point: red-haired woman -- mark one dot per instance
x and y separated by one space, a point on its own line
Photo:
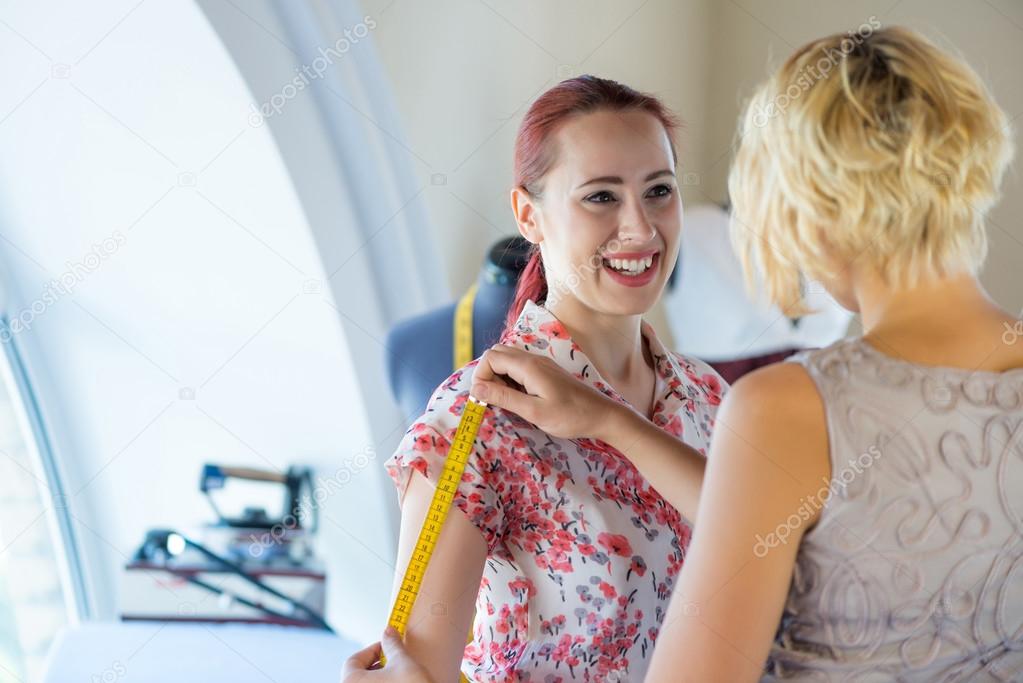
562 546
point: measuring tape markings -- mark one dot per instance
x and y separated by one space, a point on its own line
451 476
440 505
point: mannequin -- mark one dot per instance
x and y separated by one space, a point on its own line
422 348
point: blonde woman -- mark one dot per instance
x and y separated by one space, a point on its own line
860 517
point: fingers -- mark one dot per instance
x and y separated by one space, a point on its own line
361 661
393 645
506 397
515 364
483 370
509 378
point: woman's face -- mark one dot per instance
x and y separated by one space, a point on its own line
611 194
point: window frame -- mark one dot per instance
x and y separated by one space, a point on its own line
14 374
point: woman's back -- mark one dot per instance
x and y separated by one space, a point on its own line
914 570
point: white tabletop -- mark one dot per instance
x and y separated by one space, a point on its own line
151 652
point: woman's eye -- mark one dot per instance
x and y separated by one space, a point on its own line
659 191
601 197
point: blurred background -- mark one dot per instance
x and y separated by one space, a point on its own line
213 212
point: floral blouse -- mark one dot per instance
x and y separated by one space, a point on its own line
583 552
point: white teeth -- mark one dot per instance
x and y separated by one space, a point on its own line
633 266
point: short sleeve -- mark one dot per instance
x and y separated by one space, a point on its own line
424 447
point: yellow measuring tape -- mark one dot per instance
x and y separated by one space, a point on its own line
451 475
463 327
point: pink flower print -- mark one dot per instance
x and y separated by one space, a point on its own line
713 384
520 614
684 535
423 438
503 626
616 544
674 426
562 650
638 566
521 587
458 405
559 560
554 329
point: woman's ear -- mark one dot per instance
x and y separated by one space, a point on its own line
524 207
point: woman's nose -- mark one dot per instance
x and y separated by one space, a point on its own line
635 225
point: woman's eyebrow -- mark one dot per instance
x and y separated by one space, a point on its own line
616 180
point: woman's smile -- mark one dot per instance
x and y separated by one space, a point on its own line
633 269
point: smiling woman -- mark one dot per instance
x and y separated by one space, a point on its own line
564 548
534 157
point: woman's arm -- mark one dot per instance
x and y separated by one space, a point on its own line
442 614
672 467
768 462
563 406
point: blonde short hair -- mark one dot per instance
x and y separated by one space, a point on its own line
869 145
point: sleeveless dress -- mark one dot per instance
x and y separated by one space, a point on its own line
914 571
582 551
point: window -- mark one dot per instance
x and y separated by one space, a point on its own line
32 597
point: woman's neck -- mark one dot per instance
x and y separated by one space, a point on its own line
614 343
927 305
944 321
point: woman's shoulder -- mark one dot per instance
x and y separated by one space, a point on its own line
447 403
781 397
780 408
